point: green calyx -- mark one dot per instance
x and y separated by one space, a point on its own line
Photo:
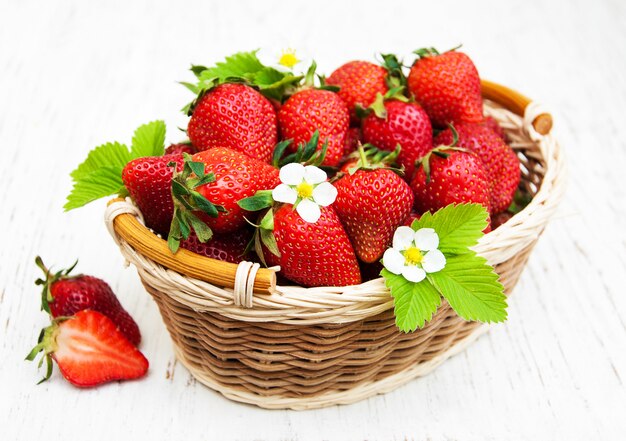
372 158
47 344
395 74
378 106
242 67
50 279
306 153
187 200
426 52
442 151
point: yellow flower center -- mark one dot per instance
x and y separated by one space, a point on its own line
413 256
288 58
305 190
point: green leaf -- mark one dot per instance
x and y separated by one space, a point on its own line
239 65
472 288
149 140
261 199
202 230
414 303
197 168
458 226
100 183
268 239
112 154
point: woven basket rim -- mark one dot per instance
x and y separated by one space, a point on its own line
296 304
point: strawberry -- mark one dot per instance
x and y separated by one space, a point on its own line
236 177
228 247
493 152
405 124
181 147
65 295
313 254
447 86
510 175
495 126
315 109
450 176
359 83
353 138
89 350
371 203
408 221
208 188
236 116
500 218
148 181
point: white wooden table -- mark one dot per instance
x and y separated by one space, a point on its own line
73 75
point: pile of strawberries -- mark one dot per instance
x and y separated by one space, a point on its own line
394 142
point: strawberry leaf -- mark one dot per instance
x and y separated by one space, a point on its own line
260 200
100 175
414 303
458 226
100 183
111 154
472 288
149 140
239 65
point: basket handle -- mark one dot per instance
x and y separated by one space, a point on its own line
216 272
516 103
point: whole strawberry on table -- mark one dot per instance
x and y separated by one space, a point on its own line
229 191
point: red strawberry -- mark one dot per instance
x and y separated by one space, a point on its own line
500 218
148 181
181 147
313 254
456 178
493 152
407 125
447 86
237 176
236 116
371 204
359 82
315 109
227 247
495 126
353 138
89 350
408 221
64 295
510 175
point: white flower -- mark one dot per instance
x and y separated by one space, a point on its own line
414 253
284 60
305 187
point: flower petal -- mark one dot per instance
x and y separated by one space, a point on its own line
284 193
325 194
403 238
314 175
393 260
308 210
433 261
292 174
413 273
426 239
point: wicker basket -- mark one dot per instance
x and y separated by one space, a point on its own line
299 348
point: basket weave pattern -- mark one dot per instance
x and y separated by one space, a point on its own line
302 348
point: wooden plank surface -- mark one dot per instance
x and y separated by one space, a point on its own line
76 74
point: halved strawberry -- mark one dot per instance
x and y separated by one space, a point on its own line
64 295
89 350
